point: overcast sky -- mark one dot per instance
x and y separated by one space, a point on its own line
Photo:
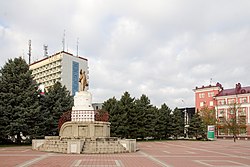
161 48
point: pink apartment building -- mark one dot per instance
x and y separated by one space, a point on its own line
215 97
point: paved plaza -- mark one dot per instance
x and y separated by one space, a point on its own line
220 153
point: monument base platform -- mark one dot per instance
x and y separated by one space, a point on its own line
85 130
84 137
85 145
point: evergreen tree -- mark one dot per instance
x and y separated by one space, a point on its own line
163 122
196 127
128 115
18 100
54 103
178 124
159 124
112 106
146 117
142 107
150 116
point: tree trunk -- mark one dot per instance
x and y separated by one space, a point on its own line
18 140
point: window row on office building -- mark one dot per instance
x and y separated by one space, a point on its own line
61 67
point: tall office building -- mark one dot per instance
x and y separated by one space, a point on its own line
63 67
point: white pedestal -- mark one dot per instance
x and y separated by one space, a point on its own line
82 109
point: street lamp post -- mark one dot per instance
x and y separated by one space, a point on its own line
186 120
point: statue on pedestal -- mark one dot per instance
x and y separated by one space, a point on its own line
83 80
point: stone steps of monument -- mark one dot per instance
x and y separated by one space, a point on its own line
103 147
54 146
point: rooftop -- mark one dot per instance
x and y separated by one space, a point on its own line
209 86
57 54
234 91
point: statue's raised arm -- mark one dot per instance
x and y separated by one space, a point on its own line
83 80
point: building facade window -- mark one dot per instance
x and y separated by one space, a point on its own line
221 102
201 104
221 131
231 111
221 113
210 94
242 111
243 100
211 103
242 131
201 95
231 101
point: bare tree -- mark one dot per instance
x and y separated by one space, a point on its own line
235 123
208 117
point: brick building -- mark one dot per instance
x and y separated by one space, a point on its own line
220 99
204 96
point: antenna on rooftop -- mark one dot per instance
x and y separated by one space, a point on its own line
29 51
211 80
63 40
45 47
77 43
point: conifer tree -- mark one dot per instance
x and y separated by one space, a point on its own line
54 103
163 122
18 100
145 117
111 105
196 127
129 123
178 124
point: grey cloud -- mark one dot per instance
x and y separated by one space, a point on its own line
161 48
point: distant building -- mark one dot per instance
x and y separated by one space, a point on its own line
215 97
238 95
61 67
188 113
204 96
97 106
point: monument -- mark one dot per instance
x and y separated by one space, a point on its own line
83 134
